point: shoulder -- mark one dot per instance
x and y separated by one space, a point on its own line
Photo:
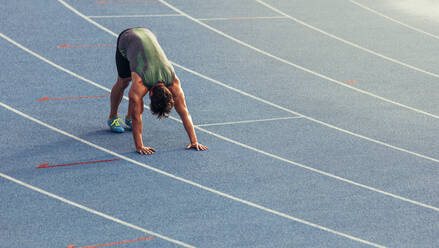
175 87
138 82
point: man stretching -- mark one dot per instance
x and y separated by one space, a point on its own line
140 59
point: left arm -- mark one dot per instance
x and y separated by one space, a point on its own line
183 112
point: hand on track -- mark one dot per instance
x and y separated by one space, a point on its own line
145 150
197 146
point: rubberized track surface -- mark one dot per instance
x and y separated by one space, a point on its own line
321 119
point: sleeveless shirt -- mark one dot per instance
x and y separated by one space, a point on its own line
146 57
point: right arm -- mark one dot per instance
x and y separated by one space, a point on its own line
137 91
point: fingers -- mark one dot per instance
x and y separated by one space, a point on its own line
146 150
203 148
197 146
150 150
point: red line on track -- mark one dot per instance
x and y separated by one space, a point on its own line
68 98
46 165
91 45
351 82
115 243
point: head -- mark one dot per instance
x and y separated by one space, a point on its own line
161 101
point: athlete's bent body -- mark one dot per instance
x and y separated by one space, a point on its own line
140 59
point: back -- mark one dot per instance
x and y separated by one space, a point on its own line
146 57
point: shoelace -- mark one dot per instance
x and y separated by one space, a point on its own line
116 123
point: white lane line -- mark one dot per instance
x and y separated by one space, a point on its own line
394 20
348 42
202 19
134 16
86 18
236 142
242 18
90 210
247 121
298 66
245 202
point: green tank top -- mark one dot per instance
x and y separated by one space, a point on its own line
141 48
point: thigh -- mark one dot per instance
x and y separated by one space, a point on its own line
122 65
123 83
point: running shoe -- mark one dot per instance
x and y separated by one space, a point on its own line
115 125
128 122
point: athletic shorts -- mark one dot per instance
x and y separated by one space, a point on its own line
122 63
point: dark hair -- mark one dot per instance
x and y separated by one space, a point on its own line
161 101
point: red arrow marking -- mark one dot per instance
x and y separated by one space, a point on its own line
351 82
46 165
94 45
68 98
115 243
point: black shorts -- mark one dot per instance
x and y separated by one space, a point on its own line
122 64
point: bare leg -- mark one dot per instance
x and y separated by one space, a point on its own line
117 95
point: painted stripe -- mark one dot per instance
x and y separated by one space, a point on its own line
70 98
242 18
348 42
114 243
90 210
203 19
351 82
53 64
46 165
86 18
394 20
252 148
134 16
248 121
197 185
